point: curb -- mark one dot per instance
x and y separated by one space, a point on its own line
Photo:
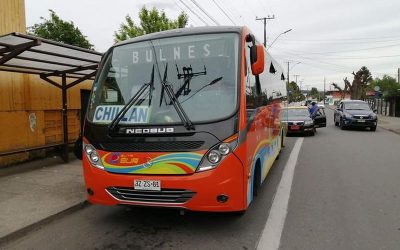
390 130
41 223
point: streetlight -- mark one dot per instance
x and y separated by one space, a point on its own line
278 37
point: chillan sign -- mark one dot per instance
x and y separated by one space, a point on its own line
135 115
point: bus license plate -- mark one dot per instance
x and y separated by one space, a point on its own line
151 185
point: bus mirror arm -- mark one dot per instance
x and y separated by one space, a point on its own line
258 85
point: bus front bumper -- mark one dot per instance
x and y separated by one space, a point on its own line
220 190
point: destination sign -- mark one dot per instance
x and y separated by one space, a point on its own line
135 115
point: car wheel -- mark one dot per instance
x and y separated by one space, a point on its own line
341 125
373 128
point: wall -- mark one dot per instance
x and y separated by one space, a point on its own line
30 108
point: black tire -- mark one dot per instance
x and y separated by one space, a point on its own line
279 153
373 128
78 148
341 125
312 133
256 181
239 213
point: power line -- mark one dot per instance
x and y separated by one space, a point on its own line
343 51
205 12
354 58
184 11
219 7
339 41
190 9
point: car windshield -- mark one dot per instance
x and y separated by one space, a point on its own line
200 70
295 112
357 106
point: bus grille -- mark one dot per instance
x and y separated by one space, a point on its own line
151 146
165 195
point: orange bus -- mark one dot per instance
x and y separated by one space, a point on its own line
186 118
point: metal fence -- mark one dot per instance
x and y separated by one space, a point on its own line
390 107
380 105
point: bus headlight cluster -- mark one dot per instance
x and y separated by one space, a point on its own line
92 155
216 155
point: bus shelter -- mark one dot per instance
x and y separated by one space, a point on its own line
21 53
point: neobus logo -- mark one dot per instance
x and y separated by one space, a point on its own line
149 130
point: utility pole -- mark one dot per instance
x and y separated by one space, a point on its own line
324 89
265 26
287 85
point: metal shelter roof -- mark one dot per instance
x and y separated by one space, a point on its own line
33 55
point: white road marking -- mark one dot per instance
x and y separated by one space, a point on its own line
271 235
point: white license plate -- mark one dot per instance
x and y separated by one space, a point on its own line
361 120
153 185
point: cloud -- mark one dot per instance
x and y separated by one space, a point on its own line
158 4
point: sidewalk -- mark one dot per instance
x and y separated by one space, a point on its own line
36 194
389 123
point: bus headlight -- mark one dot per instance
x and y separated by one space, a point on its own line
224 149
92 155
217 154
214 157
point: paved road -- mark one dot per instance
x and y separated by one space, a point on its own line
345 195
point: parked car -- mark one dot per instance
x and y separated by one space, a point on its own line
299 121
355 113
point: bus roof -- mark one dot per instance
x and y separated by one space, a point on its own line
182 32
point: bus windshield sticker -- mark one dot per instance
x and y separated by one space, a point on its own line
135 115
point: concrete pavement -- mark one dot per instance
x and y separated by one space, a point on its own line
33 195
389 123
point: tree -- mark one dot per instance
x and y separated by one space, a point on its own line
150 21
341 91
295 94
59 30
314 93
360 83
387 85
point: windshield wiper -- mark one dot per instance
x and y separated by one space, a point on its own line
170 93
208 84
120 115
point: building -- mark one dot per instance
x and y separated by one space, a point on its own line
30 108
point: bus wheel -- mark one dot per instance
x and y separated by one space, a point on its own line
256 180
279 153
239 213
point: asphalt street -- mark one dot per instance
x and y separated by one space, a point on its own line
345 194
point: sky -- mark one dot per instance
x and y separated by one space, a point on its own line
329 39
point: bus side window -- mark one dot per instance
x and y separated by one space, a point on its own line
251 96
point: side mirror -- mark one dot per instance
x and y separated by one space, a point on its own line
375 110
257 59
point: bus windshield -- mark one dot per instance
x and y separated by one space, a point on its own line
198 71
